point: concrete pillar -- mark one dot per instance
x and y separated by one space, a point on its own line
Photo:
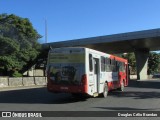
142 63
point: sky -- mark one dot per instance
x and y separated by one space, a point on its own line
75 19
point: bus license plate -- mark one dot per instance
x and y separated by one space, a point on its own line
64 88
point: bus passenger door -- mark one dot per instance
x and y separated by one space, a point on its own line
96 74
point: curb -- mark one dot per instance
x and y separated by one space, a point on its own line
21 88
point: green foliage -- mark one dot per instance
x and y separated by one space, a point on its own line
132 62
153 63
8 46
18 40
16 74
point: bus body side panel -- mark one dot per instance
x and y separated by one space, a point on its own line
127 73
93 71
112 80
89 73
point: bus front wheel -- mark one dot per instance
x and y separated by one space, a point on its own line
105 91
122 86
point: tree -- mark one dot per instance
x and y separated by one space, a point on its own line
132 62
18 40
153 62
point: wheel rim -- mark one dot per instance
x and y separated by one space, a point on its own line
122 86
105 93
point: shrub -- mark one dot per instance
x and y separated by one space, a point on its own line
17 74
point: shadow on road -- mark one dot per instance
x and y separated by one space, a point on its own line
145 84
42 96
136 94
36 96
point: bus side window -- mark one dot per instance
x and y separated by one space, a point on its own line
90 63
117 66
107 64
121 67
102 64
113 65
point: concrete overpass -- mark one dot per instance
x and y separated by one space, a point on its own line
139 42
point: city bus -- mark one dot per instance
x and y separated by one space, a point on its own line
80 70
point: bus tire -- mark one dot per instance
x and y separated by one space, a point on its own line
122 86
105 91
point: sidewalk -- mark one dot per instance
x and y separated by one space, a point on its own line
145 83
21 87
149 80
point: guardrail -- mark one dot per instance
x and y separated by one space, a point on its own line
22 81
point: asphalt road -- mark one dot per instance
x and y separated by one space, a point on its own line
144 95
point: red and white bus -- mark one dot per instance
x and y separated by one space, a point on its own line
80 70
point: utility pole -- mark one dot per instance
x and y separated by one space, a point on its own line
46 31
